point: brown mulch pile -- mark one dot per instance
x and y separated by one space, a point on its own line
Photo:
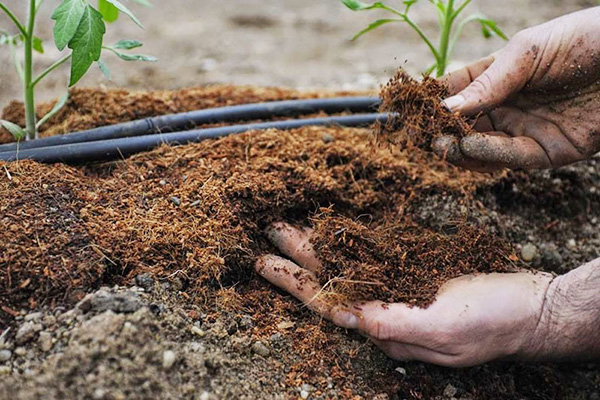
419 115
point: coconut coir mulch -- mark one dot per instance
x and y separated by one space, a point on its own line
196 214
418 115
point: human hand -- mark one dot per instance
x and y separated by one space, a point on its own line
538 97
474 319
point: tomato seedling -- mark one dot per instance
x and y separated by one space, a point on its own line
78 26
448 15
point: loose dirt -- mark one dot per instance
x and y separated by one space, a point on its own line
190 220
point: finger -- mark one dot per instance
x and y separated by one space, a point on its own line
447 147
294 243
458 80
506 75
410 352
549 135
514 152
297 281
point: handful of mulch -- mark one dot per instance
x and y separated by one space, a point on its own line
399 261
418 115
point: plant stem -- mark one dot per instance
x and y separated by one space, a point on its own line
18 65
30 116
13 18
445 39
50 69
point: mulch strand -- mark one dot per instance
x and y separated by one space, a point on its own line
197 213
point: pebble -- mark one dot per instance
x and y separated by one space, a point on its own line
169 358
528 252
20 351
176 200
5 355
162 182
571 244
401 371
45 341
260 349
34 316
49 320
102 300
5 370
144 281
327 138
304 394
27 332
198 331
450 391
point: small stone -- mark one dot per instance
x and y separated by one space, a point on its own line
20 351
401 371
450 391
260 349
49 320
169 358
327 138
528 252
34 316
304 394
195 203
4 371
25 333
198 332
162 182
45 341
571 244
5 355
176 200
144 281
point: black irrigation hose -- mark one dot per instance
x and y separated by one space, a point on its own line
112 149
188 120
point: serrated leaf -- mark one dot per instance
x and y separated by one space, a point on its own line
18 132
104 68
375 25
86 43
134 57
38 45
109 12
68 16
127 44
126 11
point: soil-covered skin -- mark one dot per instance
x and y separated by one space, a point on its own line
190 220
417 113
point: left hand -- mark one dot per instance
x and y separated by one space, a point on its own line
475 318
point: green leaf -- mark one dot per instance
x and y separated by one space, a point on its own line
490 28
143 2
126 11
109 12
127 44
14 129
67 15
134 57
38 45
357 5
87 43
375 25
104 68
57 107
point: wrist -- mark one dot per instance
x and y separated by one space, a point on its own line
567 328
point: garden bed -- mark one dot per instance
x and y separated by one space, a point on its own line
191 219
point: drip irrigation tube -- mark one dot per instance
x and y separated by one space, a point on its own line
188 120
112 149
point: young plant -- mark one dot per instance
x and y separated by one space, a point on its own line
448 12
78 26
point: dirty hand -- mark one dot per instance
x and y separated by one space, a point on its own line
538 97
475 319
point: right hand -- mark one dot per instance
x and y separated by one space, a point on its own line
537 100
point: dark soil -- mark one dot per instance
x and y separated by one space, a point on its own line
419 115
193 218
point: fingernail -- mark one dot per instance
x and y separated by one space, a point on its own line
452 103
346 319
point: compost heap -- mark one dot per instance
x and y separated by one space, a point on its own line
418 115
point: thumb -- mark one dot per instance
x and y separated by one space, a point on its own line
504 77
